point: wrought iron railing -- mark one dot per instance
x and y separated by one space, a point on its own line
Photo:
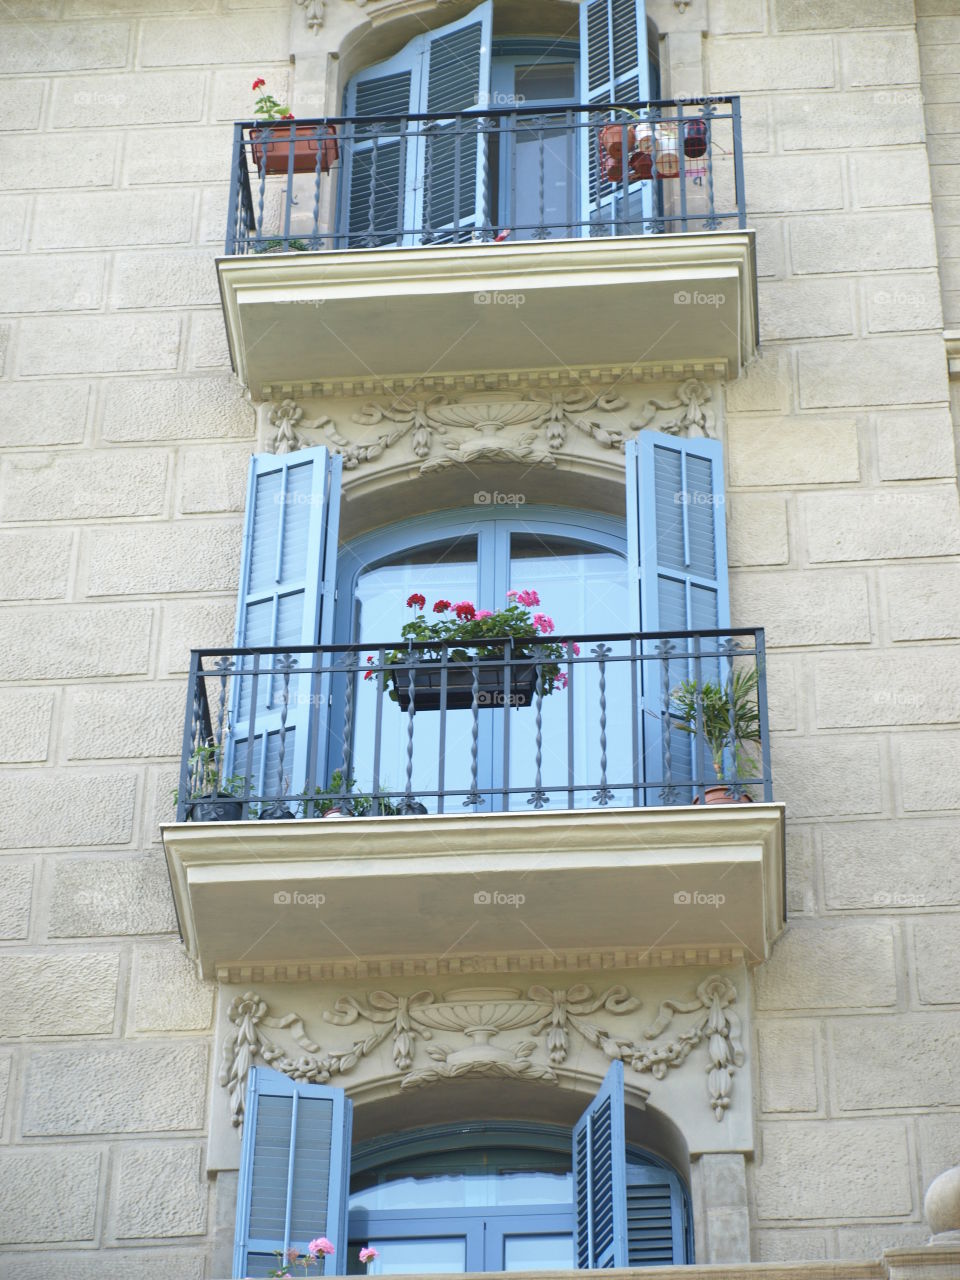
567 722
528 173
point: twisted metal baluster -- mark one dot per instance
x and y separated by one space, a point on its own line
473 795
426 235
276 808
541 232
372 203
408 800
729 649
316 188
538 797
669 794
603 794
223 667
263 182
484 230
347 753
712 222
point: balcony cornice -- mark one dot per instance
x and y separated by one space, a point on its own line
389 313
401 889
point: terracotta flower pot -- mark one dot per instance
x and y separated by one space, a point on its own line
611 139
273 154
639 166
694 139
721 795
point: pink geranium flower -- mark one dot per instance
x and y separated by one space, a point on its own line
484 613
321 1245
367 1254
512 595
543 624
527 598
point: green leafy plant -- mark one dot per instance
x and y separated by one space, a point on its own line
339 795
280 246
715 711
205 764
266 107
463 622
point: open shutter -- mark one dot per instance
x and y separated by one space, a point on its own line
377 195
294 1178
677 548
454 198
599 1178
614 66
285 598
655 1218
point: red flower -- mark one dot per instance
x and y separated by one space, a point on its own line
259 82
368 675
441 606
288 116
416 600
465 611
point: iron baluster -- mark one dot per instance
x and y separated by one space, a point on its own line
729 649
541 232
538 797
668 792
473 796
712 222
603 795
371 240
700 768
426 236
760 657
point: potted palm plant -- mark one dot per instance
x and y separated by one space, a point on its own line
727 720
271 144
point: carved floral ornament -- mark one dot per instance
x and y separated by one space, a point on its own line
473 1018
534 430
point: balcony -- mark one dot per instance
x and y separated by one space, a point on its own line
616 788
364 248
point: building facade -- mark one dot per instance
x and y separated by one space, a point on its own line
480 320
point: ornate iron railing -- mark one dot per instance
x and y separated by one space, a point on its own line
569 722
528 173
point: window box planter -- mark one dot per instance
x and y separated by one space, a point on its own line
216 808
491 686
271 148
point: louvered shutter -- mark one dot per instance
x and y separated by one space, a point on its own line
599 1178
677 550
377 196
453 170
285 598
294 1177
614 67
655 1218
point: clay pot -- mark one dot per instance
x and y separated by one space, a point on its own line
639 166
694 139
273 154
611 139
721 795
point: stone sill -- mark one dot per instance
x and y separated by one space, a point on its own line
562 886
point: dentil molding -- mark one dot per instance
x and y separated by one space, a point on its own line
471 1020
534 429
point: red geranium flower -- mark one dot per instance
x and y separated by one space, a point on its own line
259 82
416 600
465 611
441 606
288 116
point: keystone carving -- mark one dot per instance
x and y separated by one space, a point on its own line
475 1018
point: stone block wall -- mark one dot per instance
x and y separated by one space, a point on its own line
124 442
123 446
845 532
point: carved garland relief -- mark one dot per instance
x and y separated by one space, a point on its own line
472 1019
533 430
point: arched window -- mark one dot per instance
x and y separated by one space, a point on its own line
491 1197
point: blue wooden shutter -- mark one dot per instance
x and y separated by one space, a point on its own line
656 1233
294 1181
285 598
614 68
677 550
454 173
599 1178
377 195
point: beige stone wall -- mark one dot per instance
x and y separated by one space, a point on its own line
123 445
938 27
843 513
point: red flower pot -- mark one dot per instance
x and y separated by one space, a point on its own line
273 154
611 139
721 795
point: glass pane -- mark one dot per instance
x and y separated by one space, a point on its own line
442 569
418 1256
546 82
538 1253
425 1191
583 589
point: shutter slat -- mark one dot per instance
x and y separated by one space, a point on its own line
599 1178
655 1235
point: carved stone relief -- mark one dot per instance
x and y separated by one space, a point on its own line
471 1020
535 429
